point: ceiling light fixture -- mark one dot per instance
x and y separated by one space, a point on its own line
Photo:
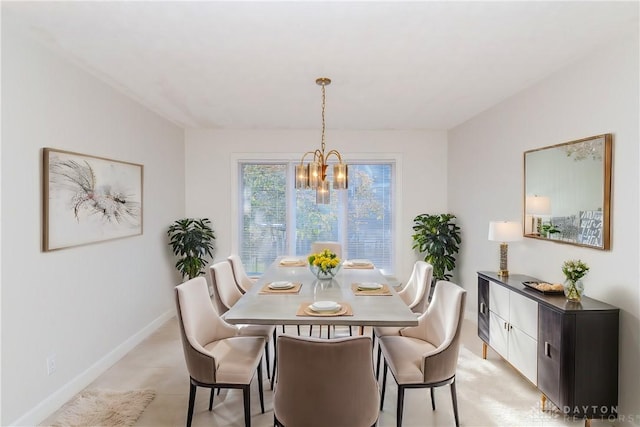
314 174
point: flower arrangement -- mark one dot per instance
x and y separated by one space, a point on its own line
324 264
574 269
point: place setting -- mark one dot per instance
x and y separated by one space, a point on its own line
358 263
293 262
370 289
324 308
281 287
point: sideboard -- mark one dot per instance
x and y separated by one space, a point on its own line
568 350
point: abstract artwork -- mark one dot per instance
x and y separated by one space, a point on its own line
88 199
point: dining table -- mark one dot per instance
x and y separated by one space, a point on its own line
350 288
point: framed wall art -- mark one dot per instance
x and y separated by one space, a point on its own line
88 199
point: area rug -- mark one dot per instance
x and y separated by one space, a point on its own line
104 408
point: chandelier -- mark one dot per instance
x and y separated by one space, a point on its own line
314 174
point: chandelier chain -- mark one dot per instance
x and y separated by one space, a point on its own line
323 122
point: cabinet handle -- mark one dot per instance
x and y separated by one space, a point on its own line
547 349
506 326
483 308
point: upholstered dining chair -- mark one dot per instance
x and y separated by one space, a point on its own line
415 294
334 247
226 294
325 382
215 355
427 355
243 281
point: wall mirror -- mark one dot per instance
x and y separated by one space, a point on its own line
567 192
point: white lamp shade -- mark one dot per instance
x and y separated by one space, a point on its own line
505 231
538 205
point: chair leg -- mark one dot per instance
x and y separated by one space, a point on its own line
275 364
400 406
246 397
275 357
310 329
213 392
454 400
192 400
266 357
260 391
283 331
384 383
378 363
433 400
298 326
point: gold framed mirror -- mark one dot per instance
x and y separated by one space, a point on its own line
567 192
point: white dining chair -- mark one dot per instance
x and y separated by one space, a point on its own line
243 281
216 356
426 356
415 294
334 247
227 293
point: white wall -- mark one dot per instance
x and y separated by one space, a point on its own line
209 165
89 304
595 96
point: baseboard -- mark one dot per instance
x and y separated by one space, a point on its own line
54 401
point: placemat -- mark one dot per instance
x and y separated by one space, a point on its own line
383 291
360 267
300 263
304 310
267 290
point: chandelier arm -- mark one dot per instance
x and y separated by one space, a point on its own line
335 153
305 155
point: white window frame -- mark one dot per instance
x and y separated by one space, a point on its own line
394 158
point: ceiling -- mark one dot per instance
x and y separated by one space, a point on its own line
253 65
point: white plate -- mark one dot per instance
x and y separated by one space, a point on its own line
369 285
325 306
290 261
360 262
281 285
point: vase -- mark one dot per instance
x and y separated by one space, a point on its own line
324 274
573 289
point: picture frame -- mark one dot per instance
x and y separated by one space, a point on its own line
89 199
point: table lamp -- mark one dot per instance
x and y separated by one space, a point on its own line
535 206
503 232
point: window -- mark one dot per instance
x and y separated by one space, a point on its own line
275 219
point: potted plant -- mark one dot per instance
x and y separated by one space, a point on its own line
192 240
438 237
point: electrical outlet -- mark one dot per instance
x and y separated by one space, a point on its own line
51 364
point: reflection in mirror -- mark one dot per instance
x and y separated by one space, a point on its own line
567 192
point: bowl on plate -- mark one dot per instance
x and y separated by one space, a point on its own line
367 286
325 306
281 285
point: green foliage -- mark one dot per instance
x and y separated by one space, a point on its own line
192 240
438 237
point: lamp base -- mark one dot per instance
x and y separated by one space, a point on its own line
503 273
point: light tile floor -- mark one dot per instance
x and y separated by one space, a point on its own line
490 392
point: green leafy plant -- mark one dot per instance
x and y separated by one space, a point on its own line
438 237
574 269
191 239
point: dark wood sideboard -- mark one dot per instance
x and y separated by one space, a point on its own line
575 364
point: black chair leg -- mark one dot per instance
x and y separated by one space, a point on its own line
246 397
213 392
433 400
266 357
192 400
310 329
298 326
378 363
454 400
400 406
260 391
384 383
